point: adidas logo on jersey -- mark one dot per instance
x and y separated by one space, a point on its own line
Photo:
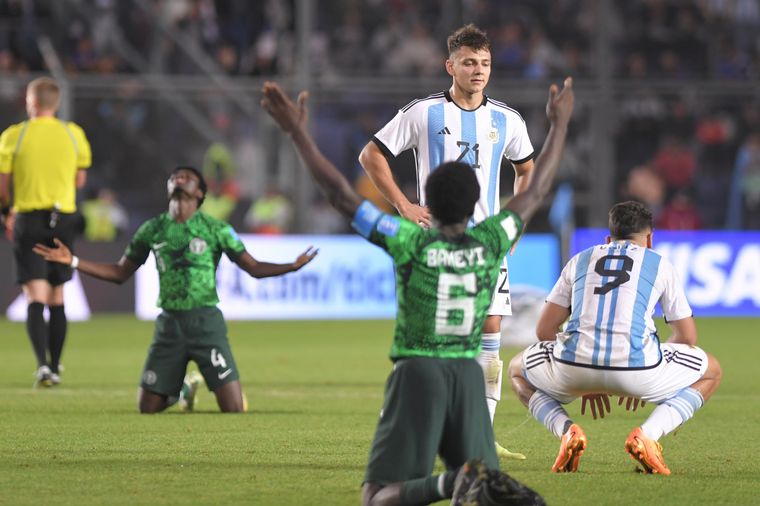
444 131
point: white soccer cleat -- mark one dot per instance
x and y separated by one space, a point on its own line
188 395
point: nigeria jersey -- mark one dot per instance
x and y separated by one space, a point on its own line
611 291
186 257
440 131
443 287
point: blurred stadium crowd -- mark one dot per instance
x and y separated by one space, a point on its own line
683 74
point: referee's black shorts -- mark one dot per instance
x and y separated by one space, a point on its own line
35 227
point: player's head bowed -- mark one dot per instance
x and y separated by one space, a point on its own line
452 191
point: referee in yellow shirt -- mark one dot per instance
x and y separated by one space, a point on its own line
45 158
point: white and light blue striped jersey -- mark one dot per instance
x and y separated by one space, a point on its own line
611 291
440 131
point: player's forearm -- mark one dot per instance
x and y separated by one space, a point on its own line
268 270
5 190
379 171
335 187
527 203
115 273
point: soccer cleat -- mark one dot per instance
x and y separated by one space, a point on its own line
646 452
503 453
189 392
468 482
573 443
55 379
44 377
477 486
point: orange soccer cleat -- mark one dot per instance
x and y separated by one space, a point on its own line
647 452
573 443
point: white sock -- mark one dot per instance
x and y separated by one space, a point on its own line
672 413
491 364
491 407
549 412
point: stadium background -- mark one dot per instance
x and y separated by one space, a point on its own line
668 107
668 110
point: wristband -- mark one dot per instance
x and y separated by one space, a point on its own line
74 262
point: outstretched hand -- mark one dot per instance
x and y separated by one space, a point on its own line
559 106
305 257
417 214
598 403
60 254
290 116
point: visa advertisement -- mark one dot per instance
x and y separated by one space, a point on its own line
349 279
720 271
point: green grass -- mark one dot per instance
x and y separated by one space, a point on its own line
315 390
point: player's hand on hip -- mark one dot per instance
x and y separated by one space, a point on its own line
305 257
559 106
290 116
60 254
631 403
598 404
416 214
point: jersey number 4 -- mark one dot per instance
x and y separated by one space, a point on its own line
464 305
619 274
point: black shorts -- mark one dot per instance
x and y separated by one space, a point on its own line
35 227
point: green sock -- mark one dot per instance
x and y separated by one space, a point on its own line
427 490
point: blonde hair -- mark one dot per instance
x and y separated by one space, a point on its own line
46 93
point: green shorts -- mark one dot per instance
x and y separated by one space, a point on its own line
181 336
432 407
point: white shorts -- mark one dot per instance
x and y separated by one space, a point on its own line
681 366
501 302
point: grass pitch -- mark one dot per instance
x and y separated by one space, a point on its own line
315 390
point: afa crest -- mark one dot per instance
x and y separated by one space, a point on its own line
493 135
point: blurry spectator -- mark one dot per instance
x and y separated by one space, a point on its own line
675 163
272 213
744 198
647 187
322 218
104 217
416 54
511 57
221 200
679 214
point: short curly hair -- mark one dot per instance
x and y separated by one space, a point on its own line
470 36
452 191
629 218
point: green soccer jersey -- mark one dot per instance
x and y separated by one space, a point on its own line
186 257
443 287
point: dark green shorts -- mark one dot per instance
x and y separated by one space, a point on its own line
181 336
432 406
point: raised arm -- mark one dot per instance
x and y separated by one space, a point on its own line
266 269
559 108
292 119
115 273
379 171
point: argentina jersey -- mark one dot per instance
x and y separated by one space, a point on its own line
440 131
611 291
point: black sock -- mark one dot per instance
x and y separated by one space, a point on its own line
56 335
37 330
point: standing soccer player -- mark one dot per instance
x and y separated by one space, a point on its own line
445 277
187 245
610 345
463 125
46 159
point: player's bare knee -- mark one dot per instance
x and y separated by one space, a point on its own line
515 366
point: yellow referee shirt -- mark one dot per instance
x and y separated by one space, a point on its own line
44 155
